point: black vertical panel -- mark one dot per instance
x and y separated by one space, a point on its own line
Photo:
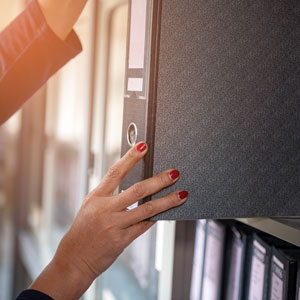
228 106
298 282
183 259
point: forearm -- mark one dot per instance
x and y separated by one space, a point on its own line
61 281
61 15
29 54
103 228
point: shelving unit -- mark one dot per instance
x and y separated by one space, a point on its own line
287 229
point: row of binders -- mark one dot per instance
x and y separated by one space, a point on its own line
232 262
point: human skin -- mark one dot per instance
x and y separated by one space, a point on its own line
61 15
103 228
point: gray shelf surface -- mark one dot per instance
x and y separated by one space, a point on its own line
287 229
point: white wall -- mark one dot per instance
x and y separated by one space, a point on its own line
9 9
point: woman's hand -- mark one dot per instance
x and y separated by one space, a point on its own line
61 15
103 228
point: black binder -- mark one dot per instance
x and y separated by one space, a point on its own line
234 271
298 284
258 266
213 87
283 274
212 274
198 259
183 259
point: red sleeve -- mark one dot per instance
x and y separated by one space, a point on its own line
30 52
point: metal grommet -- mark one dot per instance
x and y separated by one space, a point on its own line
132 134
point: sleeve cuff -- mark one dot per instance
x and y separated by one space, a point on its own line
33 295
71 44
30 53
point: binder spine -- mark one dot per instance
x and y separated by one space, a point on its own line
153 78
198 259
298 282
278 276
292 281
234 265
140 84
259 266
214 259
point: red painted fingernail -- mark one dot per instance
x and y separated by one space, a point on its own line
183 195
174 174
141 147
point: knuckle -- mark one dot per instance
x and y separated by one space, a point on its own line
117 242
164 179
132 153
89 205
87 201
101 216
147 224
138 190
173 199
113 172
148 209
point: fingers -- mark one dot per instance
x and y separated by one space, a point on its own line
147 187
153 207
118 171
136 230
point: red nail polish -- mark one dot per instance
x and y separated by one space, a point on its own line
183 195
174 174
141 147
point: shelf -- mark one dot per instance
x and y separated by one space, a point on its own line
287 229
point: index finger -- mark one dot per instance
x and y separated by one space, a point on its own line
119 170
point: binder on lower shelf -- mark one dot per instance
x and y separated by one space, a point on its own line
213 261
258 260
198 260
236 248
298 283
234 262
283 274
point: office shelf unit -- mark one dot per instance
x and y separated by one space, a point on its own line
287 229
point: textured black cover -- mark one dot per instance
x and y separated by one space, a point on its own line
228 106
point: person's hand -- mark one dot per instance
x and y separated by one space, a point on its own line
61 15
104 227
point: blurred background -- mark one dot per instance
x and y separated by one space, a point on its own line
57 148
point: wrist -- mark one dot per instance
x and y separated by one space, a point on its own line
69 268
62 280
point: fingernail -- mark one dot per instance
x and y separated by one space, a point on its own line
182 195
141 147
174 174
